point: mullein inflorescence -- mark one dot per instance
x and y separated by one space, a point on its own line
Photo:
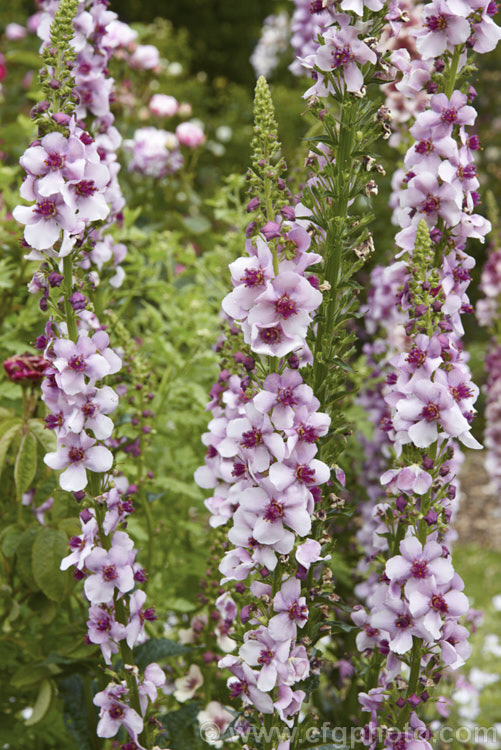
271 447
488 313
414 596
262 439
72 190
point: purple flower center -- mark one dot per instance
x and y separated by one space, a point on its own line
75 455
439 604
76 543
297 611
341 56
307 433
425 147
461 274
55 160
85 188
253 277
252 438
461 391
104 623
238 688
416 356
116 711
110 572
84 68
403 621
211 452
54 420
449 115
285 396
273 511
46 208
430 204
266 656
271 335
285 306
77 363
431 412
89 409
238 469
467 172
419 569
305 474
386 424
436 23
316 6
371 632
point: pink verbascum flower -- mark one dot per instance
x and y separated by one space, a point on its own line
292 611
446 25
110 569
343 50
115 712
75 454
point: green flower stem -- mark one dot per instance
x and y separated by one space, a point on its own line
452 72
68 287
127 657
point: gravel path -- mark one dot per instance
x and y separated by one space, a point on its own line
479 516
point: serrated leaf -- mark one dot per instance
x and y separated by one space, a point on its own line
42 703
45 437
157 649
26 464
49 549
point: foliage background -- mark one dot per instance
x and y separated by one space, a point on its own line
181 236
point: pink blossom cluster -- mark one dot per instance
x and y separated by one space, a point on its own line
103 556
414 605
156 153
66 183
488 315
271 45
261 464
305 28
98 34
273 300
72 186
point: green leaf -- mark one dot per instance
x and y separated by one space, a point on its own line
181 605
45 437
10 540
48 550
157 649
75 711
196 224
7 435
42 703
23 556
30 675
26 464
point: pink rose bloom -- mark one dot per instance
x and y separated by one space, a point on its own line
163 105
144 57
190 135
14 32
